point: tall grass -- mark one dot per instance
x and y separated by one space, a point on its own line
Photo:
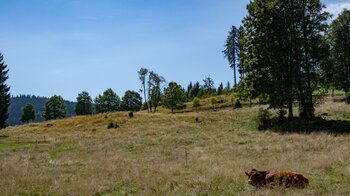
169 154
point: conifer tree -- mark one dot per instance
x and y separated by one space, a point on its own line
54 108
83 106
4 93
283 51
339 35
28 113
231 51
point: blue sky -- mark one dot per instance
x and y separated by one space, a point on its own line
66 46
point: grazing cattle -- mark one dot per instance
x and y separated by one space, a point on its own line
271 178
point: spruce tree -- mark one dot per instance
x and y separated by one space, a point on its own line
283 50
83 106
339 35
54 108
231 51
28 113
4 93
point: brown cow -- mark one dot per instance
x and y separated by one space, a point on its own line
270 178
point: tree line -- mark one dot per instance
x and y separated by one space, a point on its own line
286 51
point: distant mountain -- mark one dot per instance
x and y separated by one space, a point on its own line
18 102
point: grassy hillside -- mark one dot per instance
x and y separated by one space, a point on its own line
169 154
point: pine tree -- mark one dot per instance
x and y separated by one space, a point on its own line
174 94
108 102
4 93
339 35
83 106
28 113
231 51
283 51
54 108
155 85
131 101
220 89
142 77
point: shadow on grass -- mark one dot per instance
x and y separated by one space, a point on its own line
317 125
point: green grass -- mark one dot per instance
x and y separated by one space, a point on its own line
5 146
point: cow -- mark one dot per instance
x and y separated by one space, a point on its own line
271 178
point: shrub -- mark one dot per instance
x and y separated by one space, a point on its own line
264 119
196 102
116 125
131 114
221 101
237 104
197 119
144 106
110 125
281 116
347 98
263 98
180 106
213 101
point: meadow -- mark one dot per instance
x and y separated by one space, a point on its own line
171 154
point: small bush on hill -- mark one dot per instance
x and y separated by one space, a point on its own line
131 114
110 125
221 101
144 106
180 106
263 98
281 116
213 101
347 98
237 104
116 125
264 119
196 102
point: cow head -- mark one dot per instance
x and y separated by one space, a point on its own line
256 178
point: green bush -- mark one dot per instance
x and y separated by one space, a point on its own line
116 125
237 104
263 98
221 101
131 114
144 106
196 102
110 125
264 119
213 101
282 116
347 98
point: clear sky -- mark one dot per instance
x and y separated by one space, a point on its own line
66 46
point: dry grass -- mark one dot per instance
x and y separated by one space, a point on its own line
147 156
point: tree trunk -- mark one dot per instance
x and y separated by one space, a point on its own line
234 71
290 111
144 93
